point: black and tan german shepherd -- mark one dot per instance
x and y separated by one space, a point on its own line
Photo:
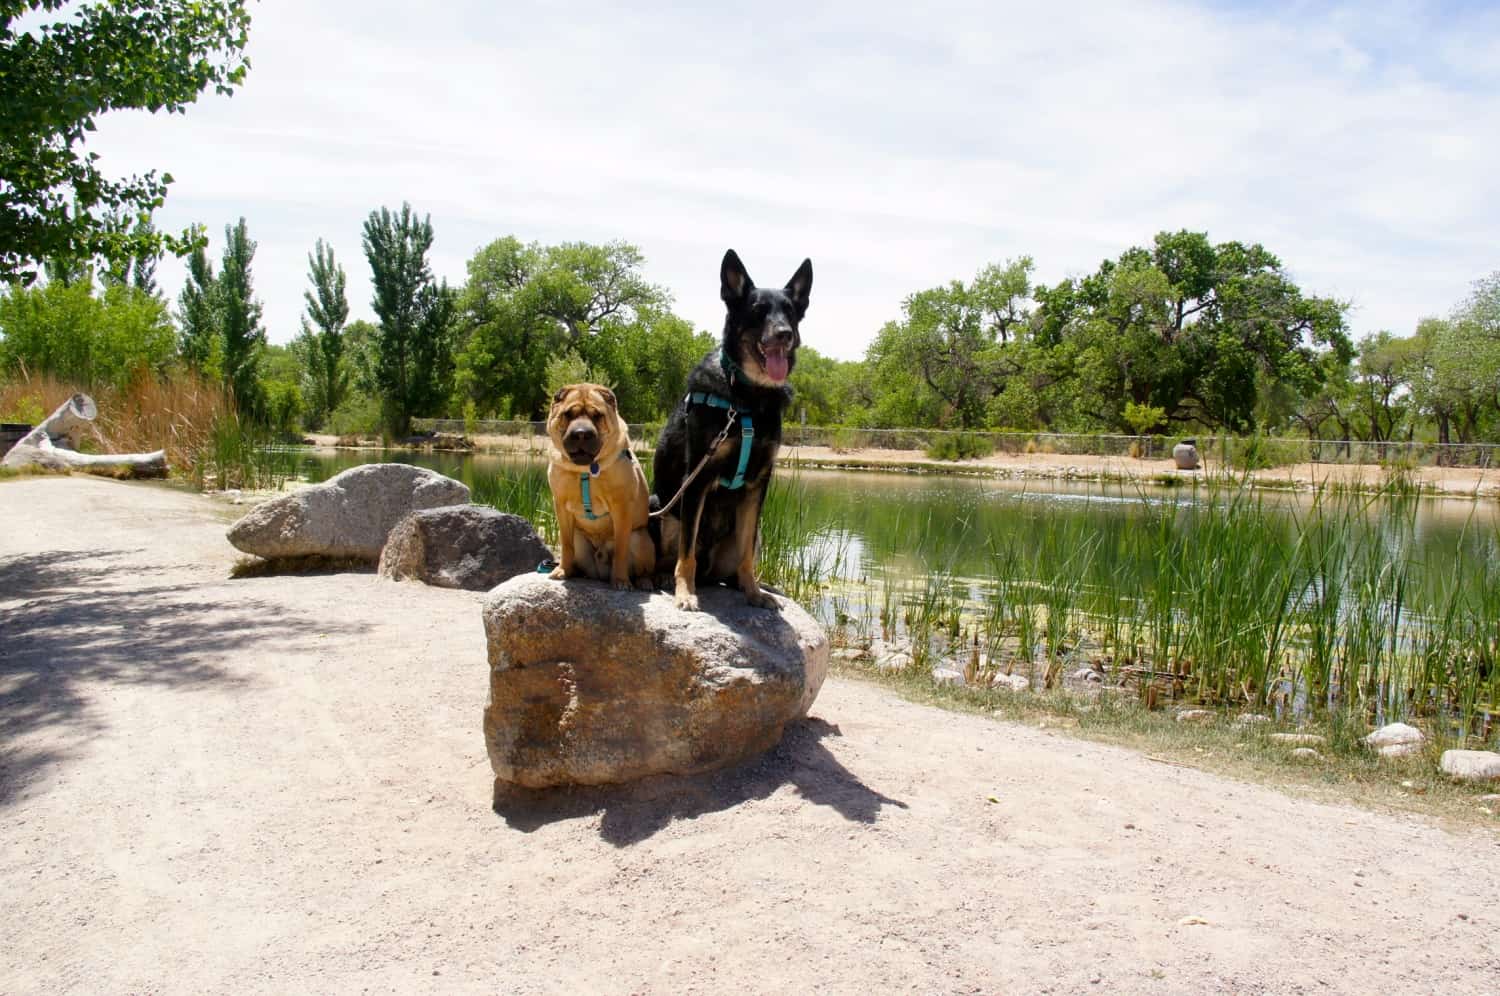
710 534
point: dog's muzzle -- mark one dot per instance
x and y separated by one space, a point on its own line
581 442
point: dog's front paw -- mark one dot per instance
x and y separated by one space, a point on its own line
622 584
687 601
763 600
558 574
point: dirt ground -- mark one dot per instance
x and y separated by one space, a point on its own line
278 784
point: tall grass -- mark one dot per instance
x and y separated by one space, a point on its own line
520 491
193 419
1226 600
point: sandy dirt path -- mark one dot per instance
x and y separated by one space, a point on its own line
278 784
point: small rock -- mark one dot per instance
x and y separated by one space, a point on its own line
1305 754
1011 682
897 660
1251 719
1296 739
1400 750
849 655
1192 921
1471 765
1489 800
1197 716
1395 733
948 676
473 547
1087 674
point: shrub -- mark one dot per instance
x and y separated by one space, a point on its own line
358 415
1143 418
960 446
284 408
844 439
1259 452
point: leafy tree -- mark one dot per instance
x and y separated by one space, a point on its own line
1193 328
1435 392
647 356
1480 311
832 392
413 350
88 338
243 338
58 78
525 304
1383 390
1454 375
359 350
199 337
281 373
321 343
432 350
957 341
138 268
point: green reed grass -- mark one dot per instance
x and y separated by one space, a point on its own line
237 454
1239 603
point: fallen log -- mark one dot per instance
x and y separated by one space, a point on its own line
53 445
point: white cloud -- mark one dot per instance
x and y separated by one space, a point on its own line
897 148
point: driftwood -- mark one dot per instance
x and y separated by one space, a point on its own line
53 445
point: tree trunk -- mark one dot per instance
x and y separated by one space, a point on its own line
51 445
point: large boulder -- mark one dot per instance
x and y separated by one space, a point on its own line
474 547
589 685
349 515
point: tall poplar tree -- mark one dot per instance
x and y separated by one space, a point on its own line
197 312
240 316
413 350
322 339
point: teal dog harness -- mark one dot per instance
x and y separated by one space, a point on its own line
747 434
583 487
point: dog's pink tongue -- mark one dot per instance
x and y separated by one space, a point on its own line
776 365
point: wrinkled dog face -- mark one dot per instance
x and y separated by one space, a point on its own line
583 421
761 331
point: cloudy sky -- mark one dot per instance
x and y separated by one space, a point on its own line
899 146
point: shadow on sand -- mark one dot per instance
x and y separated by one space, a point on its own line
74 622
634 812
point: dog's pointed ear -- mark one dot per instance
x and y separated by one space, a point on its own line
734 283
609 398
799 288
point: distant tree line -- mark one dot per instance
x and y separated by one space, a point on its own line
1182 336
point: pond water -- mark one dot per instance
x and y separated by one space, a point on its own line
873 524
